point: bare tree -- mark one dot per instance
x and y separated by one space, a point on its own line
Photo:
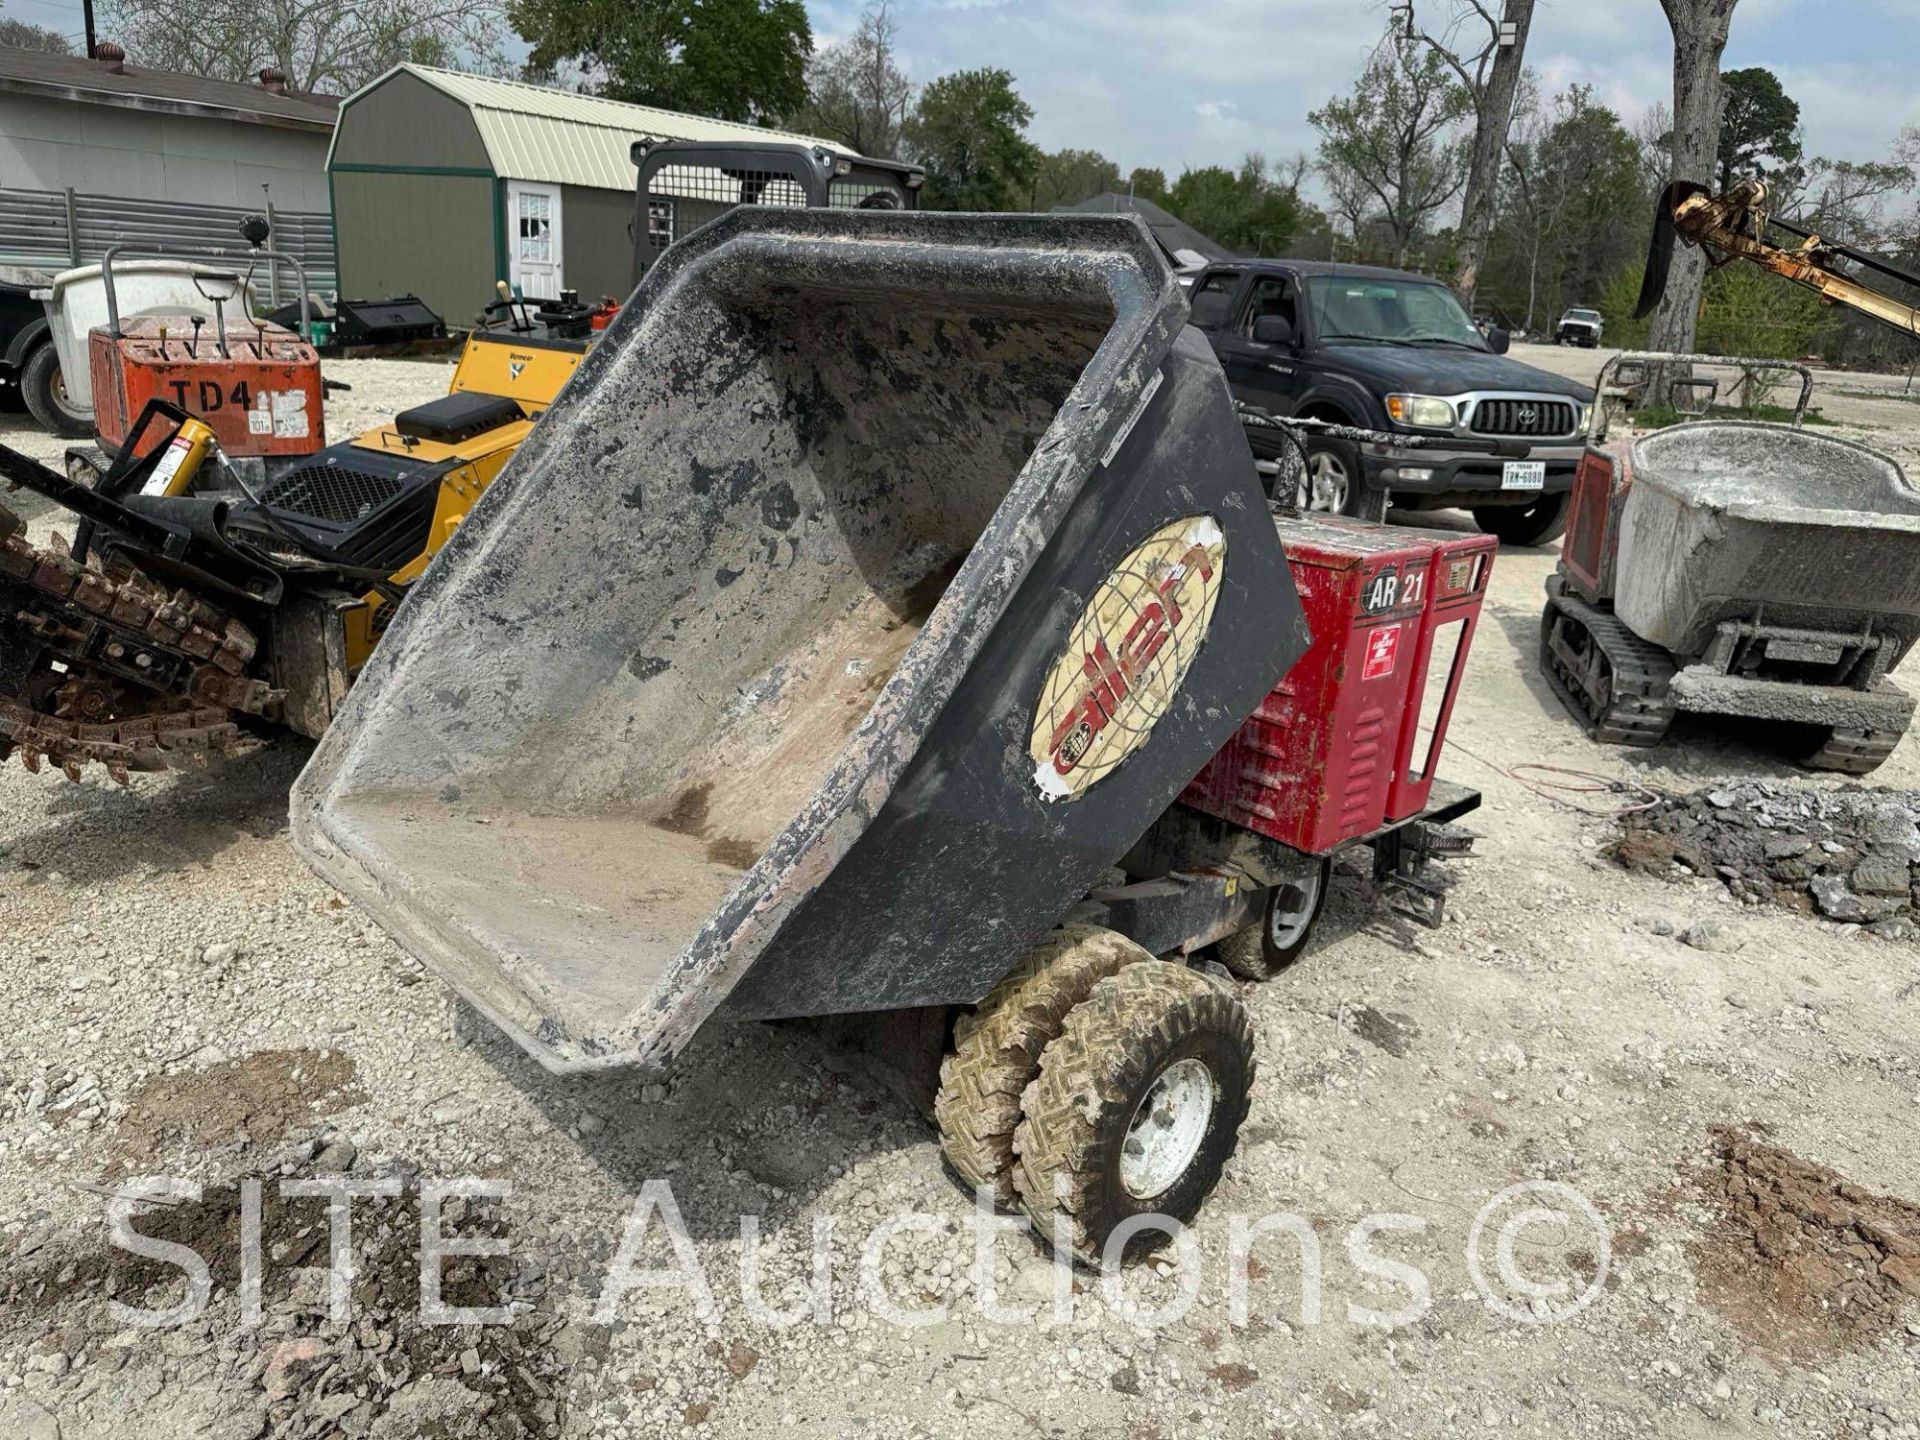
318 45
1699 38
857 94
1392 139
1491 77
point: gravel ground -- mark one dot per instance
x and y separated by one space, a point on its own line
1732 1085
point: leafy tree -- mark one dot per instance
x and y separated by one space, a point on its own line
1249 210
1747 311
969 133
731 59
1390 144
336 47
1759 131
857 95
1148 184
1574 208
22 36
1066 177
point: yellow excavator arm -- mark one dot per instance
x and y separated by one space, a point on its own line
1736 225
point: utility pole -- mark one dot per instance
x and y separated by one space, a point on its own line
93 41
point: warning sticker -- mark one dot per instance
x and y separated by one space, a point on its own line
280 413
1127 656
1383 649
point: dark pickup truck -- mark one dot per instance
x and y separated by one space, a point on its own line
1386 350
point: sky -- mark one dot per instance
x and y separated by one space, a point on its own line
1208 80
1150 83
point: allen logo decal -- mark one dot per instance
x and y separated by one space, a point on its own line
1127 656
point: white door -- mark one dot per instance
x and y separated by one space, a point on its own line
533 239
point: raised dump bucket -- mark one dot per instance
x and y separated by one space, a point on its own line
870 588
1731 520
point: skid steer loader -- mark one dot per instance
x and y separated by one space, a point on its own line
200 606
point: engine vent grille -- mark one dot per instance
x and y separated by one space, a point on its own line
1523 417
337 493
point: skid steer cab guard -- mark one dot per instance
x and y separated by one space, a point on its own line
869 590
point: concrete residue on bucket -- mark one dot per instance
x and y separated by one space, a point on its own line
1850 855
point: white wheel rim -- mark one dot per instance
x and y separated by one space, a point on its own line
1287 921
1167 1129
1325 484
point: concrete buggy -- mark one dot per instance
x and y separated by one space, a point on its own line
1736 568
840 643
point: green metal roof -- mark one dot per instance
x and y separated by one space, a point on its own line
532 132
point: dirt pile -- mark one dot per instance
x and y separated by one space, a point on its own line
1803 1257
388 1373
1851 855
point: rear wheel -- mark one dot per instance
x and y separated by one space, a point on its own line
1536 524
1137 1107
45 392
1262 951
997 1047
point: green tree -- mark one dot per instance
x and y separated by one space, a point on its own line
969 133
1391 146
1066 177
731 59
857 94
1147 183
1249 210
1573 209
22 36
1759 133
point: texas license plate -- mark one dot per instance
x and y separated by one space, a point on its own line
1524 475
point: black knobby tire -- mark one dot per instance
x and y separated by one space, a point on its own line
1283 932
997 1047
46 395
1146 1022
1352 496
1540 523
1851 752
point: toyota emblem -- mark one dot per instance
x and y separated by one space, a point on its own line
1529 416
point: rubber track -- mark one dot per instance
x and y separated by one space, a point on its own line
1853 752
60 598
1640 707
997 1047
1087 1077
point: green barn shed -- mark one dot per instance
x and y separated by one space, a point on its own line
444 183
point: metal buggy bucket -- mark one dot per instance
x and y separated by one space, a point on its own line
868 591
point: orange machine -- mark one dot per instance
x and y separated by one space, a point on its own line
255 384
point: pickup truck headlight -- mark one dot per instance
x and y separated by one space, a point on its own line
1427 411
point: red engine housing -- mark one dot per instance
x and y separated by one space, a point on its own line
263 396
1335 751
1588 554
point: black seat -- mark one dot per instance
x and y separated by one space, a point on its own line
457 417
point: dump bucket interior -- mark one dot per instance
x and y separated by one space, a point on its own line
665 640
1734 520
1725 464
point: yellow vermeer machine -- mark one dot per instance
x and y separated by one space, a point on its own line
193 607
455 446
